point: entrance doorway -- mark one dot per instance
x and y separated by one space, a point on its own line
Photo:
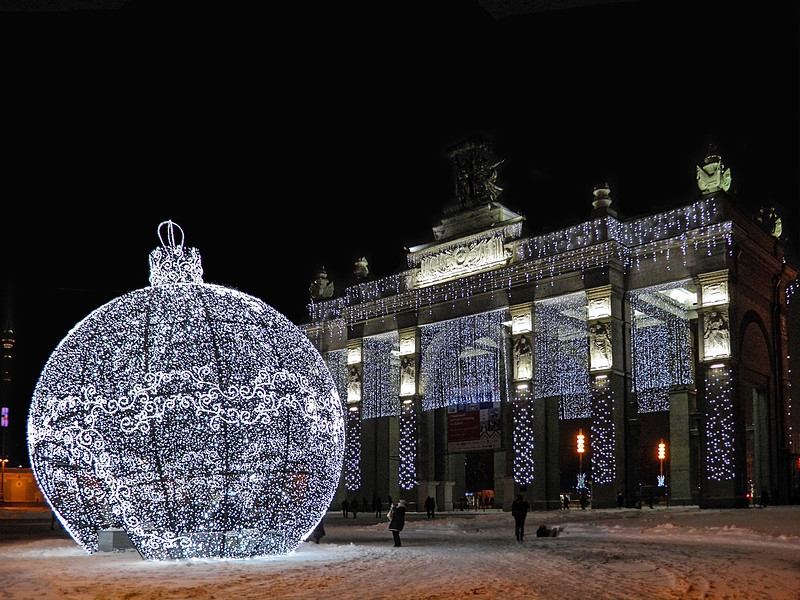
480 478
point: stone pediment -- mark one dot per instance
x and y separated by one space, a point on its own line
467 255
474 220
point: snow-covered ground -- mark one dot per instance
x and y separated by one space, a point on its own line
647 554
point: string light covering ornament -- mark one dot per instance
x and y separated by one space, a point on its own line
195 417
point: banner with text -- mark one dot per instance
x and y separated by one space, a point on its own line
474 426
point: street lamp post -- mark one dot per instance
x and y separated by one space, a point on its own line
662 454
581 450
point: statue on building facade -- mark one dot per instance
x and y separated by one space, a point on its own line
716 334
713 176
354 384
770 222
600 345
523 358
476 173
321 288
408 375
361 270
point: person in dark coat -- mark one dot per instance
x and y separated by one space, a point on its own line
585 499
430 506
519 510
398 521
318 533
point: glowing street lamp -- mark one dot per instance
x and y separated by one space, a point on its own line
662 454
581 449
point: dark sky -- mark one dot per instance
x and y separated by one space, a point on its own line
286 136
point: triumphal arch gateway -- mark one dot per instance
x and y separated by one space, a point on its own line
637 356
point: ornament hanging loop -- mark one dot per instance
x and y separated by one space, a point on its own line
171 225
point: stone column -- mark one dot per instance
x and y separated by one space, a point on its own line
679 475
606 331
415 445
352 456
445 499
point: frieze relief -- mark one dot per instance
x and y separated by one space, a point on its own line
462 260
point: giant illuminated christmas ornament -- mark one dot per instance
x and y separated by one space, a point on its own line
194 417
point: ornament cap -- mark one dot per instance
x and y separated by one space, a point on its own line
172 262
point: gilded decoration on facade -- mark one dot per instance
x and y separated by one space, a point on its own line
713 176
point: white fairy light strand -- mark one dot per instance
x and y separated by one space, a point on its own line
352 459
667 236
603 433
719 425
523 439
561 354
661 352
460 360
407 470
381 386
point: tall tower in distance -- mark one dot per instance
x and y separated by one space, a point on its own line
7 342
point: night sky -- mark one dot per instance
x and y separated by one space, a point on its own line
287 137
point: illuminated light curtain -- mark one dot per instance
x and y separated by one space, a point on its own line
561 354
695 228
603 465
523 415
352 456
719 425
381 399
462 360
193 416
381 386
337 365
408 446
661 351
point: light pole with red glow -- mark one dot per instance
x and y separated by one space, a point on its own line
662 454
581 449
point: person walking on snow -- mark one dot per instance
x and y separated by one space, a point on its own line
398 514
430 506
519 510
